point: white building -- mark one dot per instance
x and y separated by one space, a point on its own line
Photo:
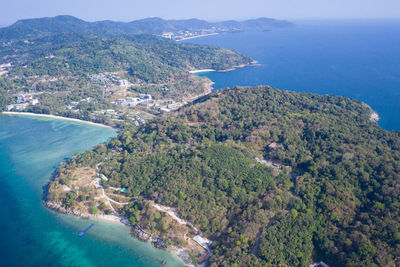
4 66
34 101
167 35
9 107
165 109
21 106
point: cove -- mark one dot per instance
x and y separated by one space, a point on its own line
31 149
353 58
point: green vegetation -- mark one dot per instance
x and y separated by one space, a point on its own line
335 199
59 69
147 58
32 28
192 87
158 224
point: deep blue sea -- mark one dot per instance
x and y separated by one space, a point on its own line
352 58
357 59
30 234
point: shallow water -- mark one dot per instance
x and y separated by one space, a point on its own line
31 235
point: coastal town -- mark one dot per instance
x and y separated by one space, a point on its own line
185 35
23 100
129 104
201 31
195 28
124 101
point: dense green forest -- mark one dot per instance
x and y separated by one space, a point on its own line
336 197
147 58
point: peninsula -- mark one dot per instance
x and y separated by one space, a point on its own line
249 168
236 177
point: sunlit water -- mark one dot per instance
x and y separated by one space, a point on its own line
31 235
357 59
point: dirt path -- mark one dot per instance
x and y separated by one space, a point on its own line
257 244
97 184
171 212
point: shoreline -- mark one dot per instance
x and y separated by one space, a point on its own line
105 218
56 117
198 36
251 64
203 70
178 252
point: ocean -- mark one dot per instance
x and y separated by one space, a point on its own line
359 59
31 149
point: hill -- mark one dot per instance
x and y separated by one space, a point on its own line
110 71
147 58
33 28
273 177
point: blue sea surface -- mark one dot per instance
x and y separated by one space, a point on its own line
359 59
30 234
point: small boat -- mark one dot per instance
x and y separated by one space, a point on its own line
163 262
84 231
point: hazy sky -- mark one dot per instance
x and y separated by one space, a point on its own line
128 10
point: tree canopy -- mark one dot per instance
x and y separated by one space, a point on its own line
335 198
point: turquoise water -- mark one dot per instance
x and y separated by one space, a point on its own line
357 59
31 235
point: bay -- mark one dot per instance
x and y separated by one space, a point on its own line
359 59
31 149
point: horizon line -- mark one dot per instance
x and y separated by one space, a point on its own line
3 25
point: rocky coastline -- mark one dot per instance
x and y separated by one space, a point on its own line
136 230
108 218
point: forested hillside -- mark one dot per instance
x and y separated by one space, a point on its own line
32 28
332 195
66 68
147 58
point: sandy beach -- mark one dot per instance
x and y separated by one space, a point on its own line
110 219
253 63
197 36
204 70
107 218
181 254
178 252
54 117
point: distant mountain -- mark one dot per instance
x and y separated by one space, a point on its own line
29 28
32 28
